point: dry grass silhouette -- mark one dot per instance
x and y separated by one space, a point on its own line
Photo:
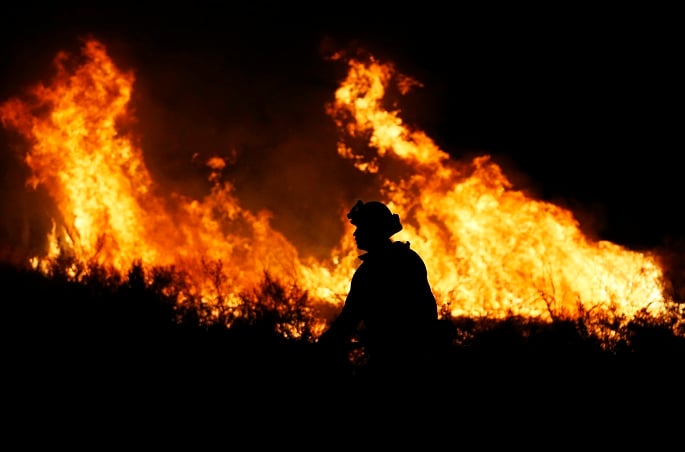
104 343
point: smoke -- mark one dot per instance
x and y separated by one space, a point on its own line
25 214
263 112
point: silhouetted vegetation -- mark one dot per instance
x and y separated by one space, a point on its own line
119 336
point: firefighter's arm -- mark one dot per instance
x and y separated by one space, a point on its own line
344 325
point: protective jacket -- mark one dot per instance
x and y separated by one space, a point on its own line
390 305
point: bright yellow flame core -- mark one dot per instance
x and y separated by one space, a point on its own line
490 250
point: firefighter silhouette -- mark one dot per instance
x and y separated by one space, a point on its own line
390 309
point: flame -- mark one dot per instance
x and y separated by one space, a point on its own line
490 249
106 196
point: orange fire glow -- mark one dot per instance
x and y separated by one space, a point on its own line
490 249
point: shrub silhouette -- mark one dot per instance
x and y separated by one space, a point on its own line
114 332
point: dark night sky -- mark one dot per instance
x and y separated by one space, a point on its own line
581 103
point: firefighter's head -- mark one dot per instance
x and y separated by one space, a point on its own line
374 221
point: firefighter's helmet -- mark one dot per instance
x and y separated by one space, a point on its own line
374 215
